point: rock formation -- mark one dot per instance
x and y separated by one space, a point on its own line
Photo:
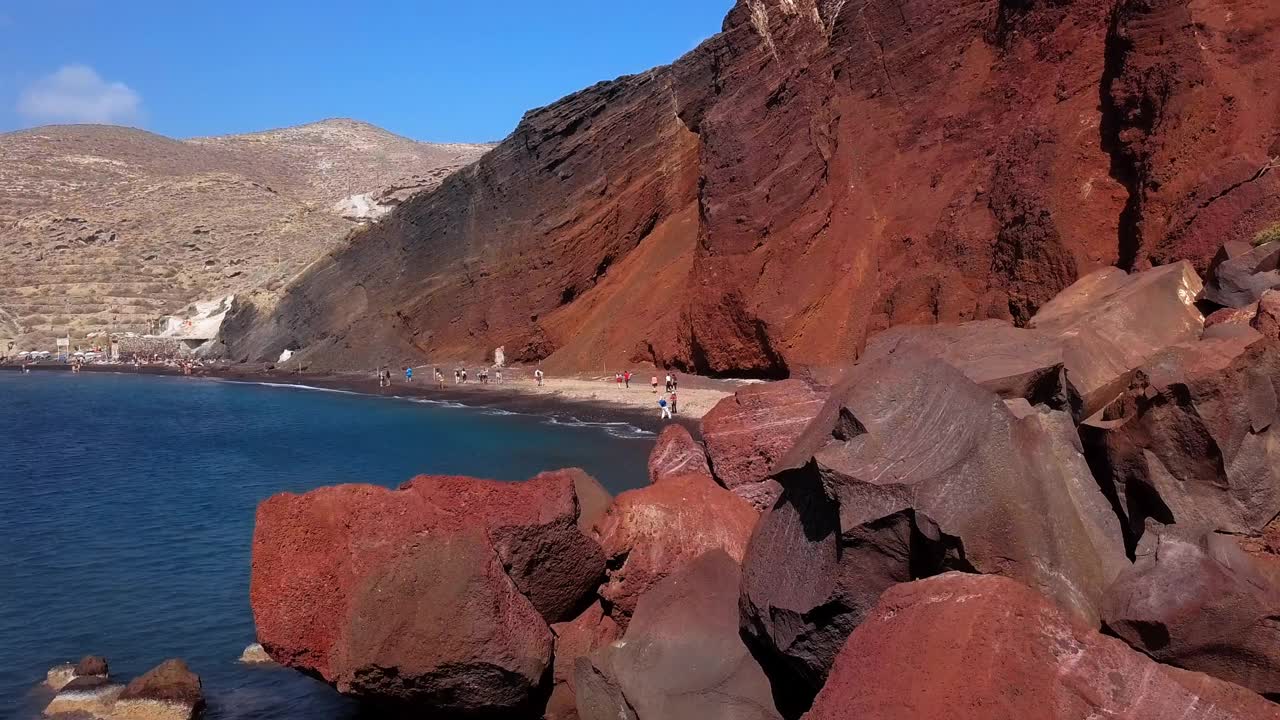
1193 441
106 229
580 637
677 453
652 532
169 691
749 432
987 648
340 576
1196 600
912 469
682 657
814 173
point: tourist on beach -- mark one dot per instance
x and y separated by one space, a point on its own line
439 379
675 382
626 379
537 375
408 374
498 372
668 385
654 381
673 402
464 376
617 379
457 376
666 409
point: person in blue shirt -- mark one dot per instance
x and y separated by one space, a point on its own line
408 374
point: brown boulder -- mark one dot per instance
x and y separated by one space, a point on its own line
682 656
912 469
1110 323
1231 316
443 627
314 556
1009 361
654 531
971 647
1238 279
747 433
1196 600
1267 319
169 691
583 635
1192 442
91 665
677 453
91 696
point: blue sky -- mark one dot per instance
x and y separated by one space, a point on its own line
440 70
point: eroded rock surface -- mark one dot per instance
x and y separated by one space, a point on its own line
912 469
979 647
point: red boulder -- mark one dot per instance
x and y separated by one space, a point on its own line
316 555
677 453
654 531
442 627
747 433
1267 319
975 647
583 635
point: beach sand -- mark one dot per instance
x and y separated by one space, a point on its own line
692 402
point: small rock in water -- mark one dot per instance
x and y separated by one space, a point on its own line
255 654
169 691
61 674
93 696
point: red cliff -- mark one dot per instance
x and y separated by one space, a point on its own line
819 170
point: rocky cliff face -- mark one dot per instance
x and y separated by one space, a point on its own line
108 228
820 170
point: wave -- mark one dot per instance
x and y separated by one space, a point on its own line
618 429
292 386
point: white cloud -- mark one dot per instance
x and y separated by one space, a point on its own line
77 94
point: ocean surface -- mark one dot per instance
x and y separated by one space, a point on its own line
127 506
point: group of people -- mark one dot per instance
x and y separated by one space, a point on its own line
669 401
459 376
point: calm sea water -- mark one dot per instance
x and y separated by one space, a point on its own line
127 504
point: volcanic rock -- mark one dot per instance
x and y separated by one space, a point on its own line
1239 280
747 433
316 556
1267 319
652 532
1196 600
593 499
169 691
912 469
1110 323
583 635
534 527
443 627
1012 362
255 654
89 666
1193 441
682 656
92 696
1231 316
973 647
677 453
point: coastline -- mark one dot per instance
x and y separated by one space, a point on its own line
585 400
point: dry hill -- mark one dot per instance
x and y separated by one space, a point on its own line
108 228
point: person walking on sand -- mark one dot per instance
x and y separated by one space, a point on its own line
675 382
408 374
498 373
668 385
464 376
626 379
654 381
439 379
674 411
666 409
537 375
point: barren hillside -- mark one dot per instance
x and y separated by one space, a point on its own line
107 228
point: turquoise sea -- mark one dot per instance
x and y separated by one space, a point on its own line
127 505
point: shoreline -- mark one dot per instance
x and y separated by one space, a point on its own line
559 398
